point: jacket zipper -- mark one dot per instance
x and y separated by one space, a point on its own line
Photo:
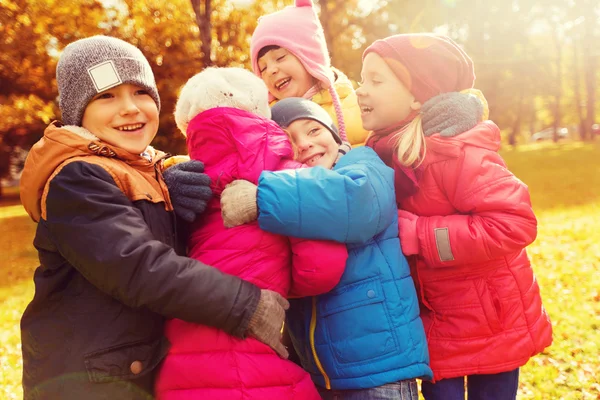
313 326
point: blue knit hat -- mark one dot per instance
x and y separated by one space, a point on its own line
286 111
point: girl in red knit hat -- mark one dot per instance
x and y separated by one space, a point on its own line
465 221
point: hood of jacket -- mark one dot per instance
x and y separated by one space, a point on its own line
59 144
485 135
237 144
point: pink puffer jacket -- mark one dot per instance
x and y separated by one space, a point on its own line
203 362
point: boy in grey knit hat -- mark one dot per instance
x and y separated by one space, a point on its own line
349 199
92 65
112 268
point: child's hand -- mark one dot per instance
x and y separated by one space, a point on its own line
189 189
238 203
267 320
451 113
407 224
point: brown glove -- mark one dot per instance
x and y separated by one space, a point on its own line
267 321
238 203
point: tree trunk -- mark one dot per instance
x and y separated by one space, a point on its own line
205 27
327 13
577 90
476 40
589 67
558 92
516 128
532 121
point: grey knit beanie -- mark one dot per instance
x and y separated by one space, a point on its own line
291 109
95 64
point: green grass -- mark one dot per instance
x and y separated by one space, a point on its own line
19 260
565 185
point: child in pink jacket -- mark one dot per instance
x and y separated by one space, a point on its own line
224 113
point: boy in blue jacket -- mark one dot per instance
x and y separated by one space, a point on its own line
364 339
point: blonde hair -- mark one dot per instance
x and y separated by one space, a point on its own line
410 144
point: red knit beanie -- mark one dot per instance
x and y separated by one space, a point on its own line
427 64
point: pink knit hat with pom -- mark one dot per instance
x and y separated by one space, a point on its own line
298 29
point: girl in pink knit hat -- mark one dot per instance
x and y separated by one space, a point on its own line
290 55
289 52
464 218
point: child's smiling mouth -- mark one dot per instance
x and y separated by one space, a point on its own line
130 127
282 83
312 160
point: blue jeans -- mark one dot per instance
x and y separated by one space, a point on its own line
502 386
402 390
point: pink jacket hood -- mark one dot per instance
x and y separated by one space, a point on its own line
236 144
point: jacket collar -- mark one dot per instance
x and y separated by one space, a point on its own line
61 143
342 86
485 135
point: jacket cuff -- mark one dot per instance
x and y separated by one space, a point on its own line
249 295
409 240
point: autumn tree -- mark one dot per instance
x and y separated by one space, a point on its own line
32 35
536 60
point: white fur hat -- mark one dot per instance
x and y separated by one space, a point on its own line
221 87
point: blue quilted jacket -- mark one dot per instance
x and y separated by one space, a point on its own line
367 331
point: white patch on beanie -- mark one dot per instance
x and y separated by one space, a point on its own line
104 76
221 87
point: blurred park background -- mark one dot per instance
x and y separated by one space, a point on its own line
536 61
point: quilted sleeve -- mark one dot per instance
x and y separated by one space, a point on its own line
494 218
350 204
317 266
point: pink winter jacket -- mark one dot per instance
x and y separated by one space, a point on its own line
206 363
480 301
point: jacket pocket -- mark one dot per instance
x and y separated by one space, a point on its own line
356 322
491 305
115 363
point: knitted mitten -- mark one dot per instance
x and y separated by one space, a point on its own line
450 114
238 203
189 189
267 320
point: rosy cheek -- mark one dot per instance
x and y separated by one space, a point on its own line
333 151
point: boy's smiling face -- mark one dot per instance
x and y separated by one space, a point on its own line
124 116
313 143
284 74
